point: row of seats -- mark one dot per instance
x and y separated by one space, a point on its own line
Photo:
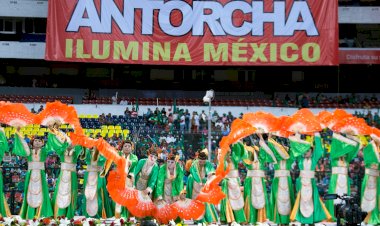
36 99
232 102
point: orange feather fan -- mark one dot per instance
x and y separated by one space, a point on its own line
189 209
16 115
262 121
352 125
62 113
165 212
303 121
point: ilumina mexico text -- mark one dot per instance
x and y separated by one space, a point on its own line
216 16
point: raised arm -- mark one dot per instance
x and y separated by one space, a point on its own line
20 147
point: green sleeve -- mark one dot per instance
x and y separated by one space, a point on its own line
178 183
54 144
194 172
353 154
138 167
318 150
134 161
209 168
153 177
370 155
298 148
78 150
4 147
159 191
237 152
341 146
18 148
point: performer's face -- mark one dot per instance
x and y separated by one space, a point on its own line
182 196
202 162
37 143
171 164
153 158
127 148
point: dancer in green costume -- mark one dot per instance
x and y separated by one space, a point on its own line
146 173
201 171
97 203
308 207
343 150
282 195
256 204
66 189
170 181
370 192
127 147
36 201
232 207
4 208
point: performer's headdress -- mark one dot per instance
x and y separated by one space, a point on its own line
203 155
153 151
171 157
126 141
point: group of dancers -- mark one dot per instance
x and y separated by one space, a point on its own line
247 202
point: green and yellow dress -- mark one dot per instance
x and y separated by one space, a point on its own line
370 192
131 162
4 208
309 207
282 193
66 189
342 151
36 201
232 207
256 203
97 203
169 186
146 176
195 182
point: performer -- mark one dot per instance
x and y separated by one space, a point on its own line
232 207
308 207
127 147
66 189
370 195
146 172
201 171
36 201
96 203
343 150
4 208
256 205
170 181
282 195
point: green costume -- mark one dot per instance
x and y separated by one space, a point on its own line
4 208
66 190
131 162
197 178
169 189
370 191
232 207
36 201
256 205
282 192
342 151
97 203
145 175
308 208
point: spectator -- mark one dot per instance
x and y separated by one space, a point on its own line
41 108
123 101
114 98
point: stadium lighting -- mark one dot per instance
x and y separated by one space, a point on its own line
207 99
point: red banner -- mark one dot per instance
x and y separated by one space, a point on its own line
193 32
359 56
